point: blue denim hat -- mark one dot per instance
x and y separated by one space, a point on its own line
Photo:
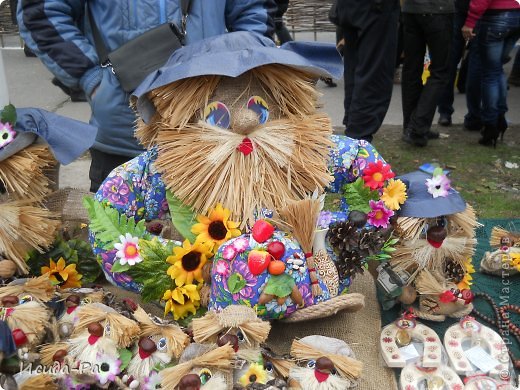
67 138
233 54
421 204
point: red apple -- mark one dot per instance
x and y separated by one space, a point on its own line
262 230
276 249
19 337
258 261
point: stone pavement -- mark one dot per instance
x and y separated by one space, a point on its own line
29 85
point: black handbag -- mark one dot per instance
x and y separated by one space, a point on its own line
136 59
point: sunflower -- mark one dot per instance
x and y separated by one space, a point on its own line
60 274
188 261
466 282
375 174
394 194
181 301
217 228
254 374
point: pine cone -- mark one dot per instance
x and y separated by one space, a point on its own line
343 236
349 264
371 241
454 271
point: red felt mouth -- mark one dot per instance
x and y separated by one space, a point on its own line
320 376
435 244
246 147
71 309
93 339
143 354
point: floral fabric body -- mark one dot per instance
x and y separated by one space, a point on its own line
137 190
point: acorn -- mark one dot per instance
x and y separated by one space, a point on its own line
7 268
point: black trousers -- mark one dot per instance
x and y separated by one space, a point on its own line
420 101
101 166
369 59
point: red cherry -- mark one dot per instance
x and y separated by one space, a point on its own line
258 261
262 230
19 337
276 249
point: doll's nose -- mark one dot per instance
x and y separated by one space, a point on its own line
10 301
59 355
228 338
244 121
190 382
147 345
95 329
72 300
324 364
436 235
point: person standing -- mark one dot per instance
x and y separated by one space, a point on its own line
370 32
514 76
426 24
497 28
59 32
280 29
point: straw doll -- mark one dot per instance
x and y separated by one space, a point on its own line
436 230
157 345
324 364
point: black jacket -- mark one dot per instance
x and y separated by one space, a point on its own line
428 6
355 13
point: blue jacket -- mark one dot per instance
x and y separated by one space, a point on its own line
58 32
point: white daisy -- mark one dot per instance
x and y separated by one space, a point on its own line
128 250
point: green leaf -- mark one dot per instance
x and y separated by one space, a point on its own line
182 216
358 195
279 285
108 224
118 268
186 322
125 355
437 172
236 283
8 115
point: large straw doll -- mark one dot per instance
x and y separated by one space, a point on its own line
233 134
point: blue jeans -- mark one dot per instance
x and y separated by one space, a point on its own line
473 87
496 36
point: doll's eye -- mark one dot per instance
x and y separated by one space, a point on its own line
217 114
333 372
25 299
311 363
442 222
259 106
269 367
107 329
86 301
205 375
161 344
240 337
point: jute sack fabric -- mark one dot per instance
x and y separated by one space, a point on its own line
361 330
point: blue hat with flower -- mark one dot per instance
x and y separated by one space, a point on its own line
430 196
233 54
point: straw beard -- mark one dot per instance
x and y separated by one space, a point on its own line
31 317
307 380
202 166
140 368
81 350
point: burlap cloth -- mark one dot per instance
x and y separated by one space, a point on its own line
360 330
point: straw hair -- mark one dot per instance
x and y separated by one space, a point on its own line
301 217
235 316
346 366
47 352
498 233
282 366
219 358
25 226
40 288
23 174
176 338
39 382
31 317
123 331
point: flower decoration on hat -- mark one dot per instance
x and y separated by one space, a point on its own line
62 275
394 194
7 122
376 174
215 228
439 185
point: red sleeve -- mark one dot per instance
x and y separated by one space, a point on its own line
476 10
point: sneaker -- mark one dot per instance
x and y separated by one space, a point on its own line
412 138
444 120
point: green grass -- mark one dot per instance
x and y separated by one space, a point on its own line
478 172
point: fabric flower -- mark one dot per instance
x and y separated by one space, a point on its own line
152 382
181 301
222 268
380 215
107 368
128 250
217 228
254 374
241 244
188 261
466 282
447 297
324 219
248 291
438 185
60 274
7 134
394 194
116 191
375 174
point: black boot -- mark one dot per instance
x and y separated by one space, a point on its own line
502 126
489 135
